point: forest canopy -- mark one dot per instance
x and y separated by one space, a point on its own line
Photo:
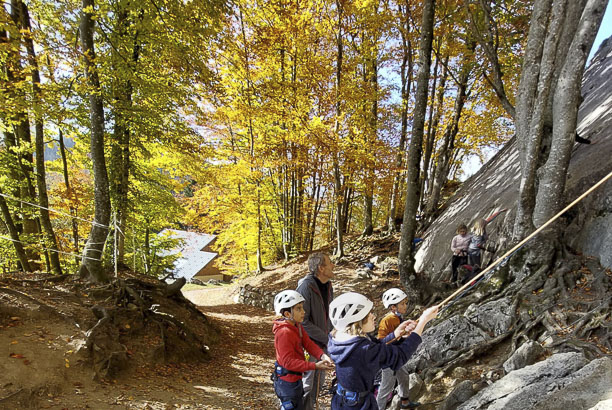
278 126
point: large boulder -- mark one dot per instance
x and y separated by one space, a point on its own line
564 380
588 387
496 184
479 324
441 342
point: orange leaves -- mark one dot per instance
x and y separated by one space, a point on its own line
20 357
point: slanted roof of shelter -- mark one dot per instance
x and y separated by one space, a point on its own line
190 246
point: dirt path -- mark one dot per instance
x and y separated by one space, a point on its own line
238 374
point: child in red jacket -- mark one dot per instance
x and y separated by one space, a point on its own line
290 341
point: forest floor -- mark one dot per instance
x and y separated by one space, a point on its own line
42 370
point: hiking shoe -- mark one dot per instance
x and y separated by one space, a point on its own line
410 405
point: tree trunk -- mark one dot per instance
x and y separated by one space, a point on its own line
43 198
406 79
259 229
23 138
549 58
551 190
120 151
371 78
71 196
529 141
427 183
447 149
337 178
406 257
91 266
429 136
19 250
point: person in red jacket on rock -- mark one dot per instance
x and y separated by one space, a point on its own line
290 341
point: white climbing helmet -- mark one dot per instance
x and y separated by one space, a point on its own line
349 308
393 296
286 299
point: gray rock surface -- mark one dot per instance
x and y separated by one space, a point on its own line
441 342
564 380
494 317
416 385
460 394
479 324
527 354
588 387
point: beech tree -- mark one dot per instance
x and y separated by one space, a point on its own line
406 257
91 266
560 37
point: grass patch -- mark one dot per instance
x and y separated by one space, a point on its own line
193 286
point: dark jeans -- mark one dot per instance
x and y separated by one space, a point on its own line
474 258
290 394
456 262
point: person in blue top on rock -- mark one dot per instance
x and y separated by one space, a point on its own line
358 356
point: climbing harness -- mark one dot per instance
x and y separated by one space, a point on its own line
351 398
280 371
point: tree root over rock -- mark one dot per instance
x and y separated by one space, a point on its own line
549 306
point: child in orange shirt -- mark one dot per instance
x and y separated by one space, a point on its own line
396 301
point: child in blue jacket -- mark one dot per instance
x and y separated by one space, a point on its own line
358 357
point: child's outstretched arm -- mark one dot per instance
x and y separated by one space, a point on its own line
490 219
410 326
426 316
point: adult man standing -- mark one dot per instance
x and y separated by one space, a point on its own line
317 291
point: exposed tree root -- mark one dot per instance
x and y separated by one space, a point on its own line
548 306
43 306
146 308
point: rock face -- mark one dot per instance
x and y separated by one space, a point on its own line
564 380
495 186
461 393
493 317
479 324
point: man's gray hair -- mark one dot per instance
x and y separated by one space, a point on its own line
315 260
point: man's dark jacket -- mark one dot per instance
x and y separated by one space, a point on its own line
316 322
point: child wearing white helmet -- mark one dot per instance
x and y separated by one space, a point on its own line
290 341
396 301
358 357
